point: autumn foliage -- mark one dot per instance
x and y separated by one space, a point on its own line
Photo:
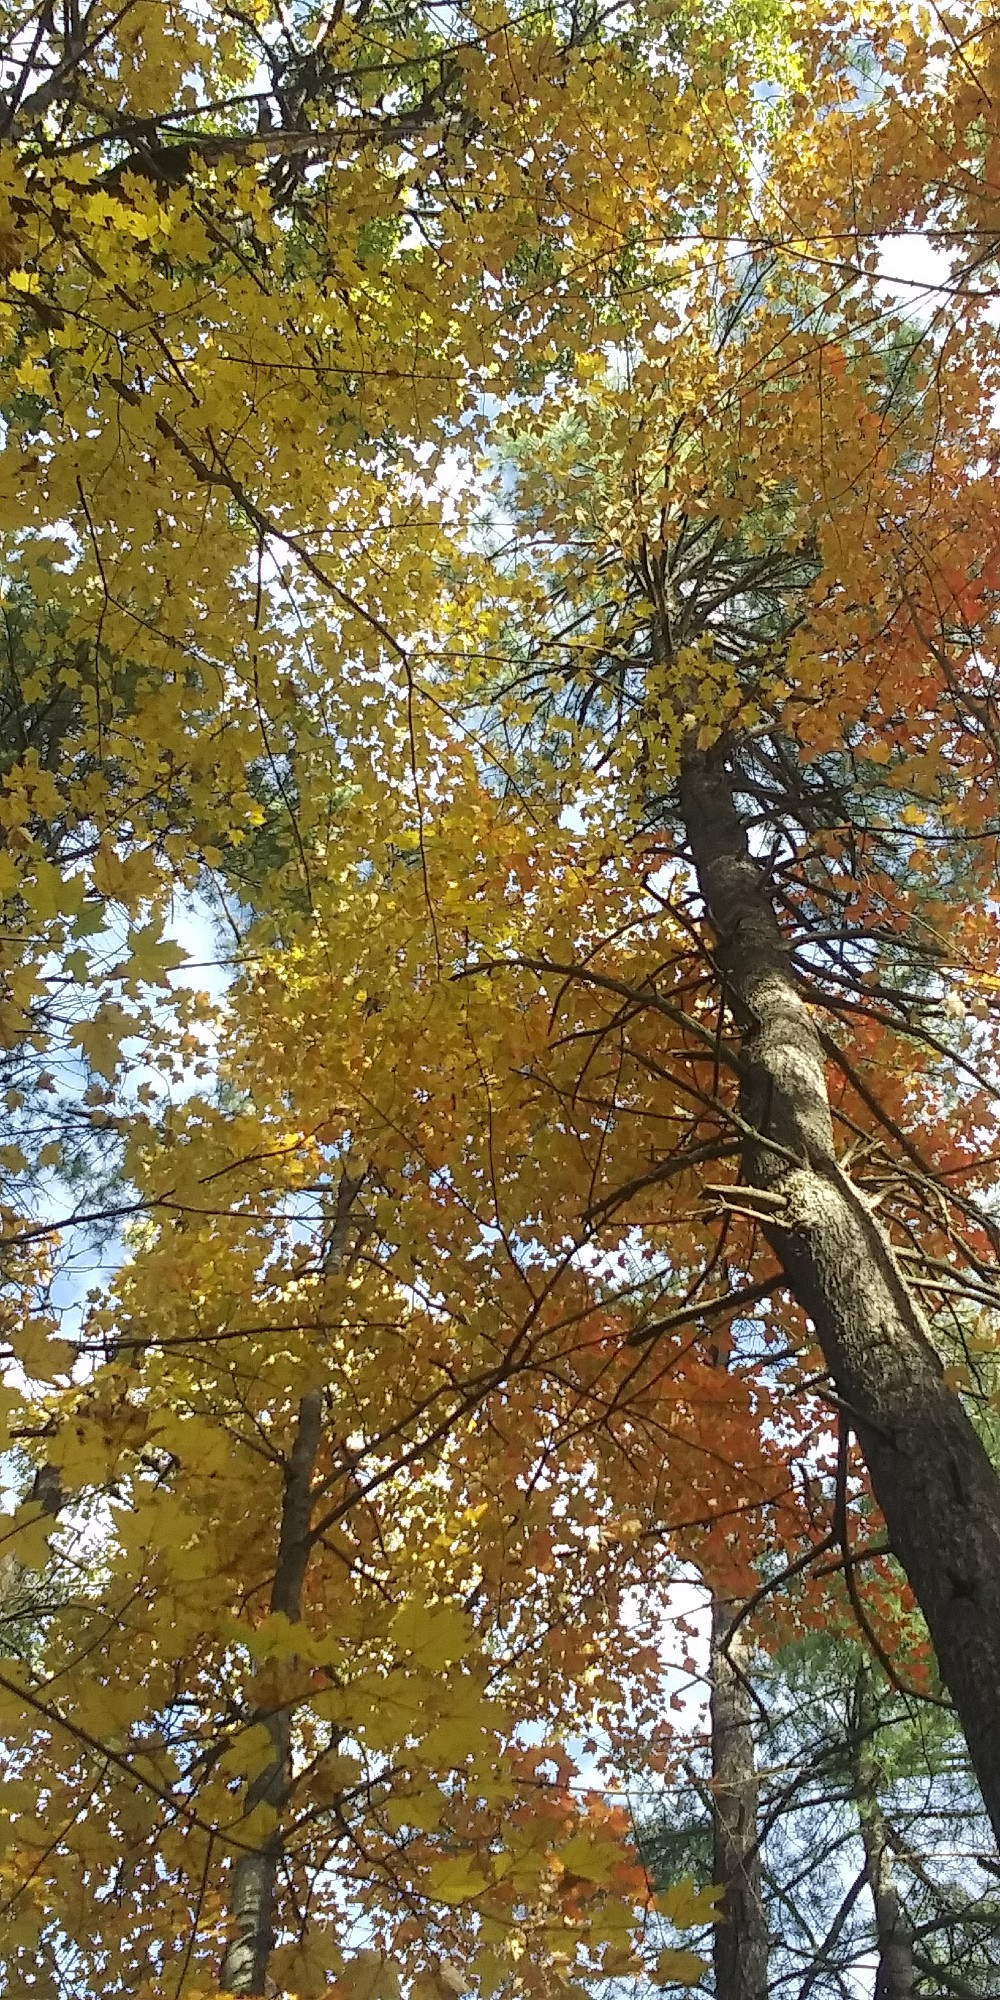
426 434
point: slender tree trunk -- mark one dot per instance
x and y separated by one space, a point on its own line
740 1941
930 1473
46 1488
251 1900
244 1968
895 1943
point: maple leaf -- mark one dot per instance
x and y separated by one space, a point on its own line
434 1635
101 1038
679 1968
456 1880
150 956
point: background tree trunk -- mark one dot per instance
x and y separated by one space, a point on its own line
740 1941
244 1968
895 1944
251 1899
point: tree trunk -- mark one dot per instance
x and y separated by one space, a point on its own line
244 1968
46 1488
740 1941
894 1980
251 1900
932 1478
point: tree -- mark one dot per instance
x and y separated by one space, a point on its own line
161 233
741 1946
381 1436
874 1849
712 748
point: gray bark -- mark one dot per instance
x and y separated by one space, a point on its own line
740 1940
46 1488
251 1898
932 1478
244 1968
894 1980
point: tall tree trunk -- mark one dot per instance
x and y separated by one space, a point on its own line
930 1473
740 1941
244 1968
894 1980
46 1489
251 1899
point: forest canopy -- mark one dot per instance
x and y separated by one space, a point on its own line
499 828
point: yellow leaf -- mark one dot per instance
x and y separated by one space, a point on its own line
591 1858
101 1038
444 1983
423 1810
253 1828
277 1637
41 1353
250 1753
82 1452
32 376
130 879
304 1968
434 1636
25 1535
491 1970
151 956
369 1976
52 893
464 1719
457 1880
685 1905
613 1923
680 1968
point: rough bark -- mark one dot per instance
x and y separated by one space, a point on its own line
46 1488
244 1968
933 1480
894 1979
252 1885
740 1940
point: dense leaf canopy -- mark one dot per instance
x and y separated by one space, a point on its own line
427 433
